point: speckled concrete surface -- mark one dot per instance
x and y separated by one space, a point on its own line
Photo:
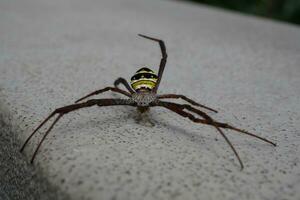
53 52
19 179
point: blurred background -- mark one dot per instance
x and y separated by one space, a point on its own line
283 10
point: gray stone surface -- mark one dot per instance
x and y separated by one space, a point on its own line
52 52
19 179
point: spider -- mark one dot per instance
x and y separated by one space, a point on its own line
143 95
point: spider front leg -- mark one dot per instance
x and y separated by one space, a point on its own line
105 90
179 109
177 96
124 82
66 109
163 60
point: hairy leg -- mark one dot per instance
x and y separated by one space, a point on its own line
177 96
66 109
105 90
123 81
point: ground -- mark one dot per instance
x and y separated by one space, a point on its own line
54 52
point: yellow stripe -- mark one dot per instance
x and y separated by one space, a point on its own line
147 83
144 79
152 72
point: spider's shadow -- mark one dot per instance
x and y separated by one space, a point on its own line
106 121
191 135
148 119
121 118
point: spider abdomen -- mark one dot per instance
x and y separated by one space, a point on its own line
144 78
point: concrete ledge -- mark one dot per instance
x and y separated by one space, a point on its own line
53 52
20 180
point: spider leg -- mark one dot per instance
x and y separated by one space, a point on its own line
123 81
179 109
163 60
105 90
177 96
66 109
44 137
224 125
230 144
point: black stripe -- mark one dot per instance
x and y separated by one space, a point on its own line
146 75
144 69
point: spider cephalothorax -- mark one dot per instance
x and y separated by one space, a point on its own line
144 98
143 95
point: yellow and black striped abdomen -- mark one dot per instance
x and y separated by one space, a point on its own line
144 78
